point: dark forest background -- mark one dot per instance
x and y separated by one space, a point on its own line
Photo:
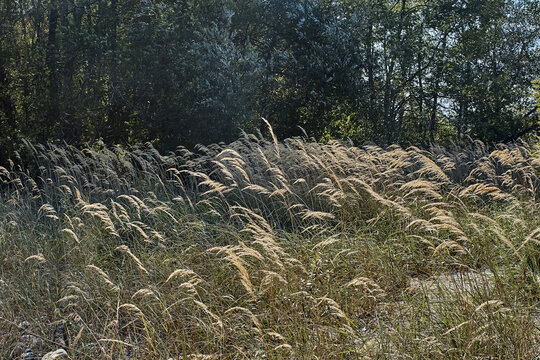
188 72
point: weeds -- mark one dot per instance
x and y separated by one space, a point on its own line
274 250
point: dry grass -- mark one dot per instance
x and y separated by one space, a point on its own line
267 249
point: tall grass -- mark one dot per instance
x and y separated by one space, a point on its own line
267 249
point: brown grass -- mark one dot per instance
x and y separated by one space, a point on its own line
268 249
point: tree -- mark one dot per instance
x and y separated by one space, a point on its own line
188 72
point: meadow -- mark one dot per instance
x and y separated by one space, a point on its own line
267 249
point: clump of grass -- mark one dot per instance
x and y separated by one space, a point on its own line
271 249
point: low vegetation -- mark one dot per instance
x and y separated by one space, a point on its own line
272 250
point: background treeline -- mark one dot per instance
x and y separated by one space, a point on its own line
187 72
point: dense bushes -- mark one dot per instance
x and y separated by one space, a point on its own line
182 73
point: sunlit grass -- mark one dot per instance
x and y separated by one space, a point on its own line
272 250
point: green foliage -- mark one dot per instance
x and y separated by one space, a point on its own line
195 72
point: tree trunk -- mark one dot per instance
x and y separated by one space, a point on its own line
371 79
7 108
115 113
435 94
53 111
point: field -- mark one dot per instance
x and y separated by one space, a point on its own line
272 250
